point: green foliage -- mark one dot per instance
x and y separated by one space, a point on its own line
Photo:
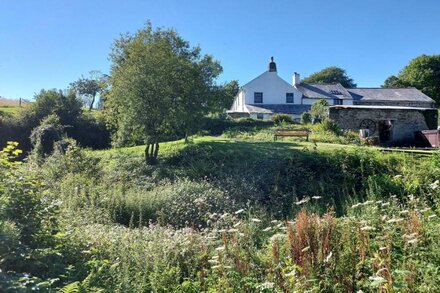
306 118
159 85
423 73
319 110
331 74
89 88
279 119
45 135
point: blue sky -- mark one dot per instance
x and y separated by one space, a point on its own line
48 44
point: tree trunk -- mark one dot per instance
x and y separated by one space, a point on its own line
91 104
151 153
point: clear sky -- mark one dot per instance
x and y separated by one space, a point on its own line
48 44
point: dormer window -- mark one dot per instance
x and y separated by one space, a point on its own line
289 98
258 98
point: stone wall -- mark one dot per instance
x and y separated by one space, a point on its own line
405 122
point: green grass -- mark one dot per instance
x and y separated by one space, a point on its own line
12 110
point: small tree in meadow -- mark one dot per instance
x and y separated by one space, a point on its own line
319 110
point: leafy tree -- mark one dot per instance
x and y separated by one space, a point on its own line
331 74
393 82
159 86
89 88
319 110
423 73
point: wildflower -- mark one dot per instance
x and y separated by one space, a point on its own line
425 210
382 248
316 197
265 285
220 248
356 205
291 222
384 217
213 261
385 204
215 267
223 216
368 228
237 224
267 229
232 230
328 257
398 176
291 274
377 279
368 202
227 267
409 236
431 216
277 236
255 220
274 221
379 201
434 185
413 241
239 211
394 220
305 249
241 234
404 212
302 201
214 257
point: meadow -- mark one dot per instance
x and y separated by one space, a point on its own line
229 213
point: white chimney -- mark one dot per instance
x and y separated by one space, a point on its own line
296 79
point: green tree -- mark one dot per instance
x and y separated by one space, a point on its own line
319 110
89 88
393 82
423 73
159 86
331 74
306 118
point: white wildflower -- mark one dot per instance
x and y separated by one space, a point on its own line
277 237
435 184
239 211
368 202
382 248
214 257
232 230
425 210
404 212
398 176
316 197
213 261
328 257
265 285
291 274
255 220
237 224
215 267
413 241
305 249
267 229
395 220
220 248
379 201
431 216
385 204
274 221
368 228
302 201
356 205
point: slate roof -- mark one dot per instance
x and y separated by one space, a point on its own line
379 107
324 91
277 108
389 94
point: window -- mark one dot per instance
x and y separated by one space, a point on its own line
289 97
258 98
337 102
260 116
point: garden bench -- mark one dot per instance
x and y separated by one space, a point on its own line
292 133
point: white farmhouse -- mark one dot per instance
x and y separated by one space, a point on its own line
269 94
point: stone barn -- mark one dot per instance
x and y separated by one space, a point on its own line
391 124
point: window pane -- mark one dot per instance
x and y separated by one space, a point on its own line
289 97
258 97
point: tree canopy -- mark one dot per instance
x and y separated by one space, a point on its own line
331 74
423 73
89 88
160 85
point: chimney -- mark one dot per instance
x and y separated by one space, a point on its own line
272 65
296 79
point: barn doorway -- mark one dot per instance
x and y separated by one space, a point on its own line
385 131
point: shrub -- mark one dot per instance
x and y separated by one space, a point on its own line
279 119
44 136
306 118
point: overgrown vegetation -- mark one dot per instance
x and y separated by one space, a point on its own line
221 215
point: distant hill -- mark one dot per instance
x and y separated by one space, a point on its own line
10 102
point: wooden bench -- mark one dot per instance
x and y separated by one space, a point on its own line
292 133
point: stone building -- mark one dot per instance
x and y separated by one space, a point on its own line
269 94
391 124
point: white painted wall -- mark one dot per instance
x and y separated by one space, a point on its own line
307 101
273 87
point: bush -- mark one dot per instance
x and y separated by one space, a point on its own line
306 118
44 136
279 119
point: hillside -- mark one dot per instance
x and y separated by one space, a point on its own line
247 214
